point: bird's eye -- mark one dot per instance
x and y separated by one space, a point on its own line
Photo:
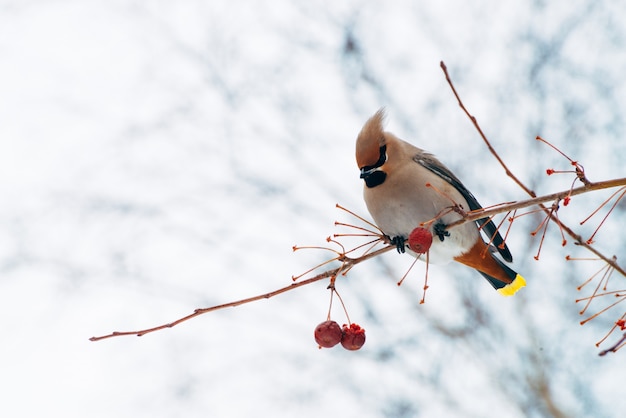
383 156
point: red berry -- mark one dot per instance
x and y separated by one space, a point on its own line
353 337
328 334
420 240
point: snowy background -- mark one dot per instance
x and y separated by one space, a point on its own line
161 156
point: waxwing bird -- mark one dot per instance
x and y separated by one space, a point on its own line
406 187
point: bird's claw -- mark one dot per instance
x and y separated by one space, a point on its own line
440 230
399 242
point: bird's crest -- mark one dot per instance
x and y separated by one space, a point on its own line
370 139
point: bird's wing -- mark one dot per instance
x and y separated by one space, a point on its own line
431 163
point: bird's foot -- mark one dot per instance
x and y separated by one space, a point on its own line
399 242
440 230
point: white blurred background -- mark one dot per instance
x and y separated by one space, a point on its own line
158 156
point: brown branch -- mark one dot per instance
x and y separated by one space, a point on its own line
557 197
554 197
347 263
482 135
480 214
614 347
486 213
201 311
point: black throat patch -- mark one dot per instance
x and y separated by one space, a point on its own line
375 179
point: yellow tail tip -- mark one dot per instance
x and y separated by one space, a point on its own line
512 288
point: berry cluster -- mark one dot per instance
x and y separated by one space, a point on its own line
328 334
352 337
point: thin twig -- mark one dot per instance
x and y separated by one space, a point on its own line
202 311
482 135
486 213
615 346
551 214
588 187
347 263
480 214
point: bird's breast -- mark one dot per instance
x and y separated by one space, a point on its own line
402 204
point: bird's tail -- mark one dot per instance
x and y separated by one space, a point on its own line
504 279
515 282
